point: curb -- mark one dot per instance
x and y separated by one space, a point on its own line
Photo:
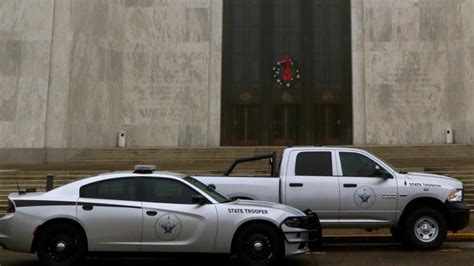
459 237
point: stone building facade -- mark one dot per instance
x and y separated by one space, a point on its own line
75 72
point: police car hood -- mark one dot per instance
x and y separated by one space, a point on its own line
268 205
441 179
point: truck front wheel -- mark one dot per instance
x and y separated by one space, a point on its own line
425 228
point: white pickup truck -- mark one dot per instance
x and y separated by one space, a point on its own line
351 188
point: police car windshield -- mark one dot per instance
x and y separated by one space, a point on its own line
209 191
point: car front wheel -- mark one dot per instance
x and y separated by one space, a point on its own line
425 228
258 245
61 245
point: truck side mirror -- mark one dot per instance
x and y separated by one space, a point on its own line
380 172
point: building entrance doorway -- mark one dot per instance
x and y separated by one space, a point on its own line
257 108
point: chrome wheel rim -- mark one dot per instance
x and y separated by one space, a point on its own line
259 247
61 247
426 229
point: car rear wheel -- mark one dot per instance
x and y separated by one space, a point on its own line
61 245
258 245
425 228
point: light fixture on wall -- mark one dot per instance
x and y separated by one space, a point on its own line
121 139
449 136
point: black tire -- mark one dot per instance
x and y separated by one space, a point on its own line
72 241
424 229
397 234
269 248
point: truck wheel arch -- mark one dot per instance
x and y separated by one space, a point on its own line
422 202
41 228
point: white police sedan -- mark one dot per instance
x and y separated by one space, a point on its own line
151 211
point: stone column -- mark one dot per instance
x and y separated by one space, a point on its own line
358 72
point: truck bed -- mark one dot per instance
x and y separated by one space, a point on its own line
249 187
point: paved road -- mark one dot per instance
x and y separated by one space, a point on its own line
341 254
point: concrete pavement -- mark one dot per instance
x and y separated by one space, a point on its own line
455 253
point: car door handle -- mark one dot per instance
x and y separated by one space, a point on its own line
296 184
151 213
350 185
87 207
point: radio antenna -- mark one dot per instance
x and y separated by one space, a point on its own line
17 184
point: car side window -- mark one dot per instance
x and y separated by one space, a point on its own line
162 190
116 189
313 164
358 165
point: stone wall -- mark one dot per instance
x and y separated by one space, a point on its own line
25 51
75 72
412 71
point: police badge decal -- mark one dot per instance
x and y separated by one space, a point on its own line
168 227
364 197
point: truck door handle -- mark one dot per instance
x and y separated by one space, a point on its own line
87 207
350 185
151 213
296 184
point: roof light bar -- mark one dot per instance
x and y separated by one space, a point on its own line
144 169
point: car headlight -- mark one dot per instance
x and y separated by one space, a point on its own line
455 195
297 222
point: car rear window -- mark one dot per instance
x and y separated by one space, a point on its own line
117 189
313 164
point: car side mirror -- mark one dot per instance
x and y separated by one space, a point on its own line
199 199
212 186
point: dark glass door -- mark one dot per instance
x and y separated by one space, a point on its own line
284 125
256 110
245 130
329 124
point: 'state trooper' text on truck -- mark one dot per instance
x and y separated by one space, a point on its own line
149 211
351 188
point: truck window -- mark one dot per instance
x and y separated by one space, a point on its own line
358 165
313 164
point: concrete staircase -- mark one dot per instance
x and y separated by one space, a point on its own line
454 160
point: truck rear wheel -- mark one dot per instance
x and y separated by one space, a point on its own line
257 245
425 228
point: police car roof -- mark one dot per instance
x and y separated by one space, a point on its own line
71 188
153 174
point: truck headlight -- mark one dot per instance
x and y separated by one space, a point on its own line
455 195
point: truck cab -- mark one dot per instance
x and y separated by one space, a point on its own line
347 187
